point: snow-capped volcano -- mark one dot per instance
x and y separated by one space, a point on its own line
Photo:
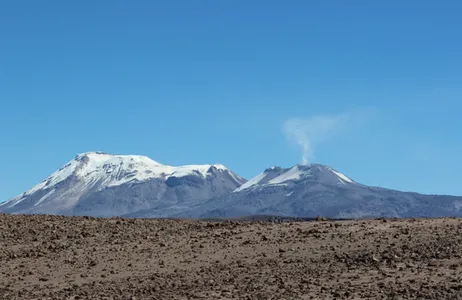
314 189
296 174
100 184
104 170
100 175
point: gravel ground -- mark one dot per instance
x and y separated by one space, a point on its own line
52 257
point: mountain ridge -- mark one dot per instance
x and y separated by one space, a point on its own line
96 173
101 184
279 175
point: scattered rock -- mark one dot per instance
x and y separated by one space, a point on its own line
91 258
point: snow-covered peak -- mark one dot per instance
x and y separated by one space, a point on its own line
104 170
298 173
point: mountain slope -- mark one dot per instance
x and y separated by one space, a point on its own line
311 190
100 184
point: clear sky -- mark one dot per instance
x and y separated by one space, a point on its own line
374 88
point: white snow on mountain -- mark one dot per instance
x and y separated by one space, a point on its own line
43 197
104 185
342 177
102 170
293 173
279 176
251 182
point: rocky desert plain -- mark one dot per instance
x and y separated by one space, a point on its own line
55 257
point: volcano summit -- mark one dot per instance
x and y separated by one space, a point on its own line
104 185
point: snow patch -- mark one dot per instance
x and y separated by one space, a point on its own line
190 170
342 177
292 174
251 182
44 197
236 178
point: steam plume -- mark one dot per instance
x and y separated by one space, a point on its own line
309 132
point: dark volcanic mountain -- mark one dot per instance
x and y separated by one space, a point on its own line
312 190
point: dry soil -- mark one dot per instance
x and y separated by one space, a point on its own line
51 257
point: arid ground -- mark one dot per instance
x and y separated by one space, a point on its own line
50 257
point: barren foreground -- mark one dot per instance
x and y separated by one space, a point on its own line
45 257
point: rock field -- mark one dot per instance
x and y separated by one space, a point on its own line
53 257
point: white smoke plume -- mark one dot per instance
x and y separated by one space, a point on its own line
311 131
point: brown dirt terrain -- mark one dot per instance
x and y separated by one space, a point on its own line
51 257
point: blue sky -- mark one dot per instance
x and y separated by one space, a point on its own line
189 82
